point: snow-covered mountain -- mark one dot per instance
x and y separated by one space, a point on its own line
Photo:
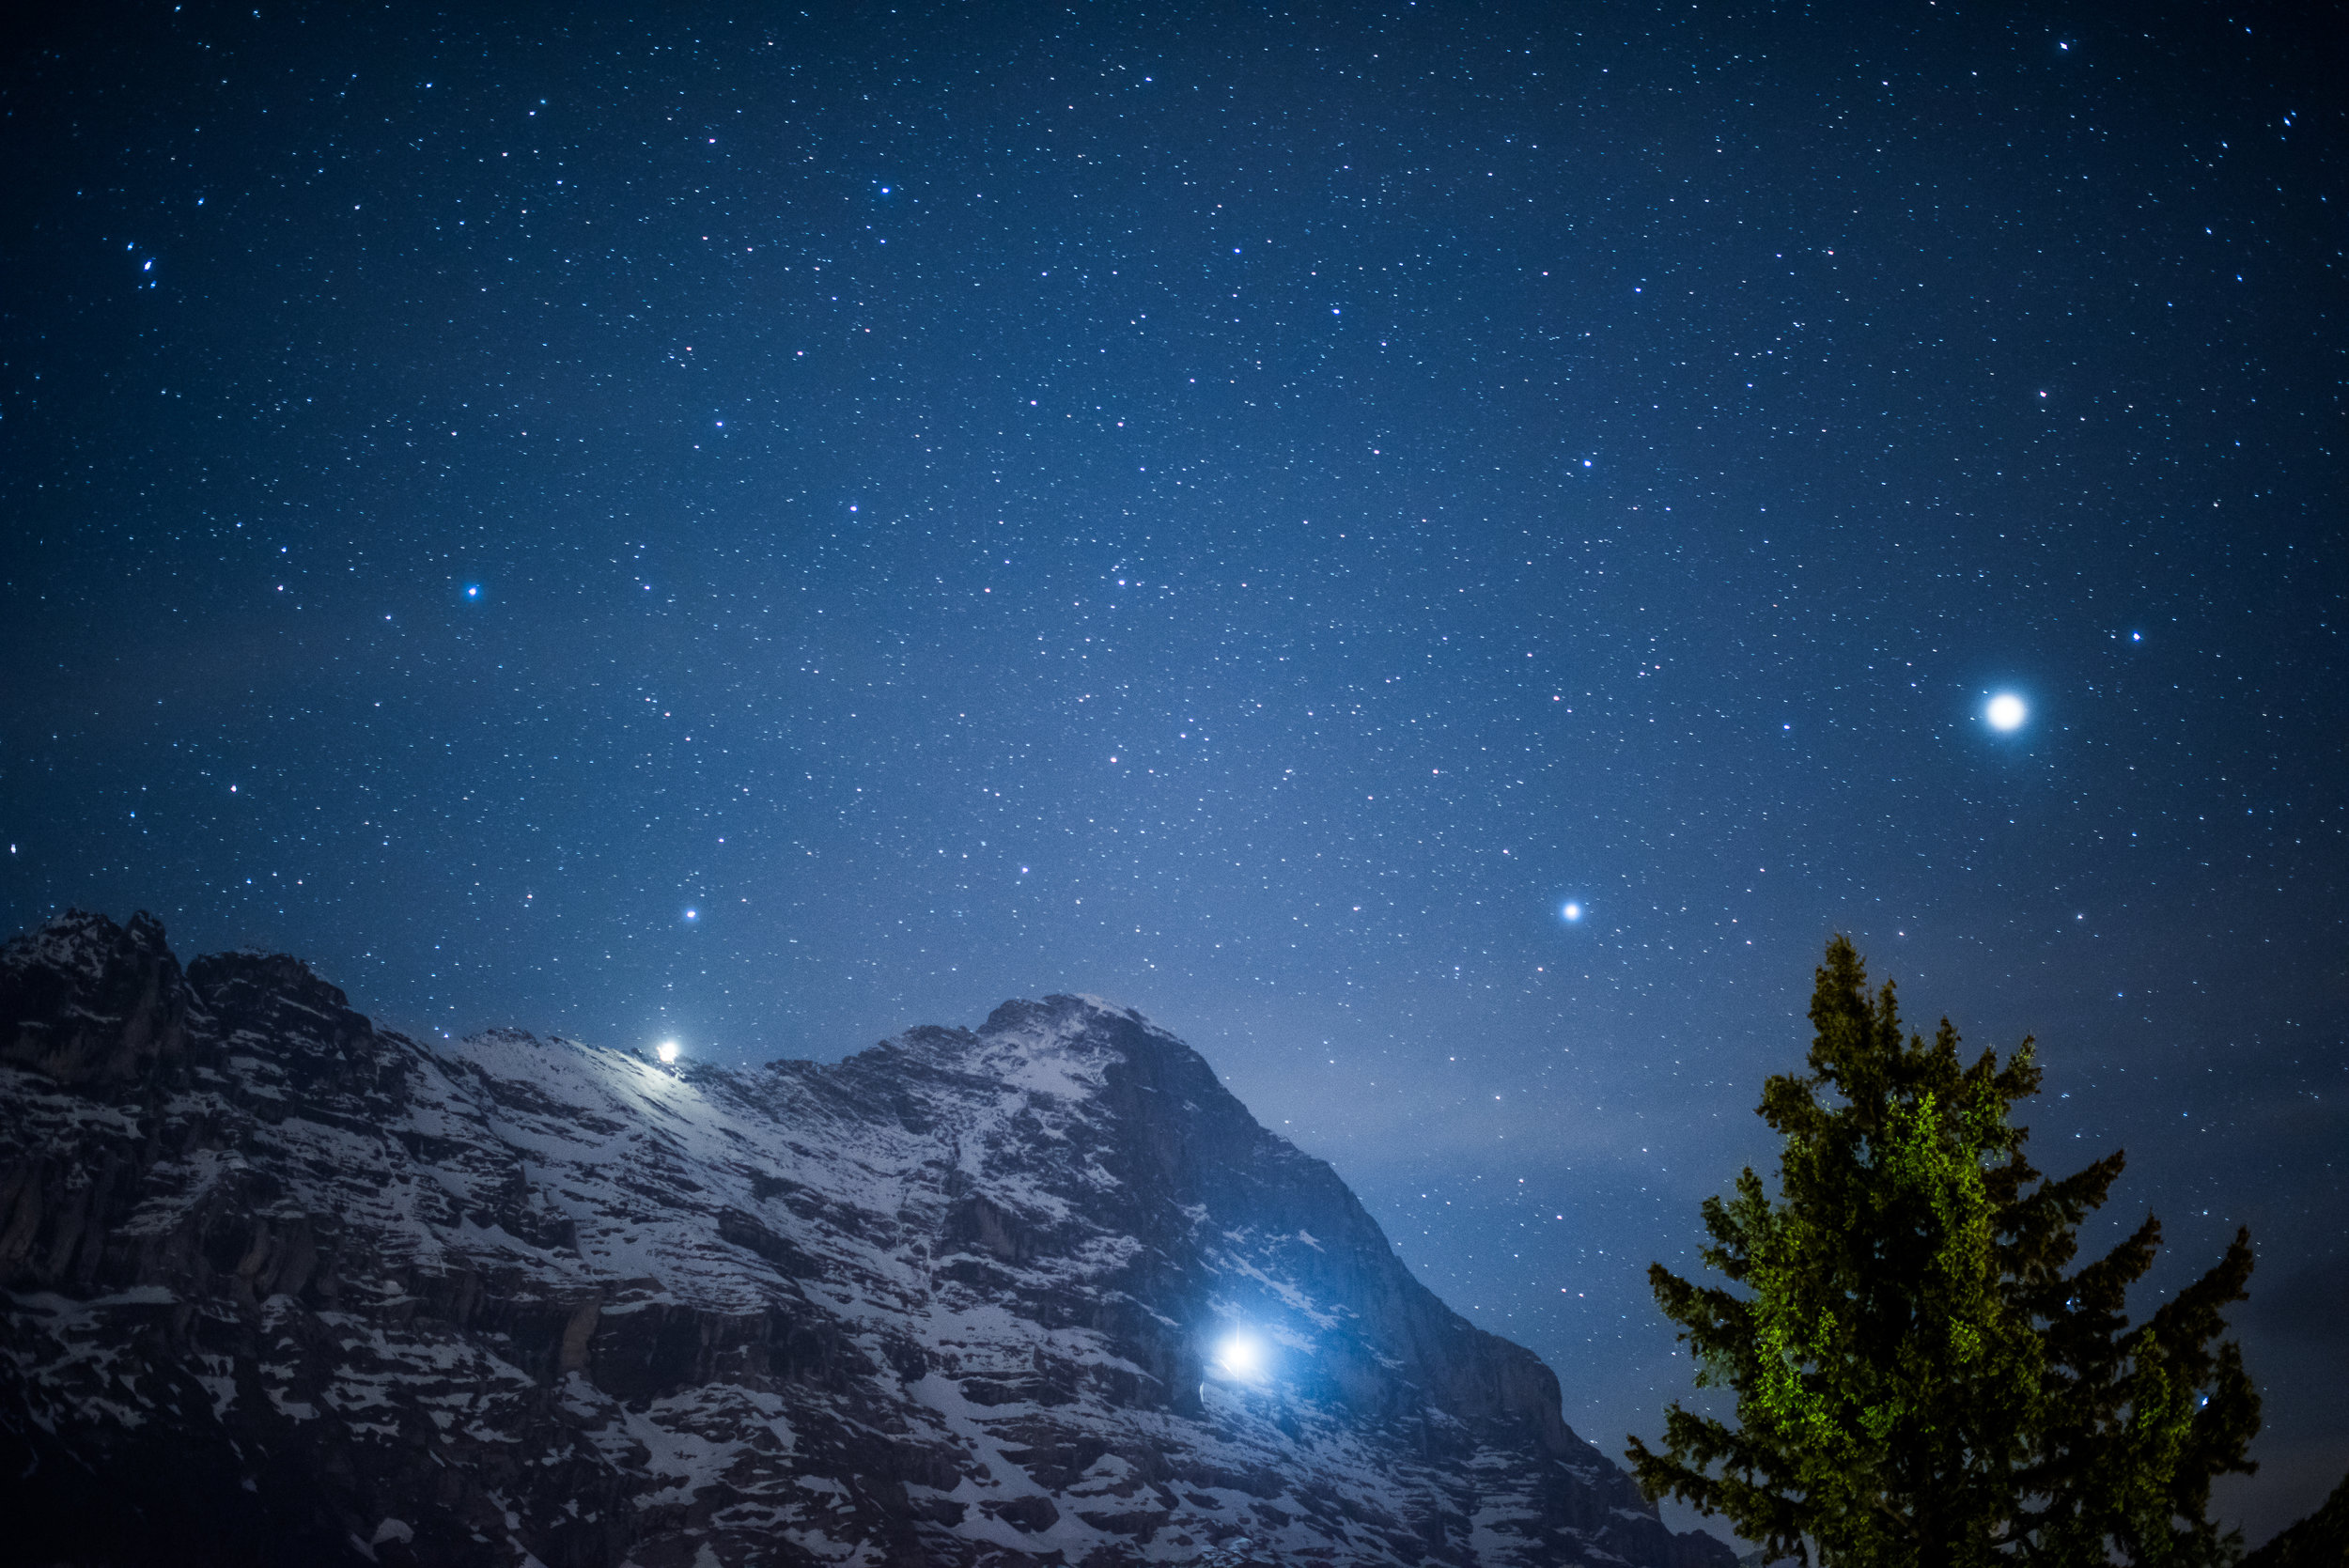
284 1288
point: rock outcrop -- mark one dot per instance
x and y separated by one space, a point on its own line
283 1287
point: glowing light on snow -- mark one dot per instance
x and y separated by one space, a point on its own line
668 1051
2006 711
1241 1355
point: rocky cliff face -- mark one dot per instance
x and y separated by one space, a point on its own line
284 1288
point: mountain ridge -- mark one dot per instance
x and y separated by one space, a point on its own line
318 1292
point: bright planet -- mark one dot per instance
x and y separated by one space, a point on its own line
2006 711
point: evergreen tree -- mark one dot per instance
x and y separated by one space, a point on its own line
1920 1382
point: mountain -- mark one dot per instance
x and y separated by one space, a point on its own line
283 1287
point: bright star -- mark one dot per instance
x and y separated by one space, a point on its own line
1572 911
692 914
2006 711
668 1051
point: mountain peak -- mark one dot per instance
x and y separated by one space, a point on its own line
1056 1014
971 1297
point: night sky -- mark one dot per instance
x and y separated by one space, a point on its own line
765 529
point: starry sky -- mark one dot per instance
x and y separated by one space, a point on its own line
764 528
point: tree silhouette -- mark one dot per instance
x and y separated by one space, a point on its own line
1920 1382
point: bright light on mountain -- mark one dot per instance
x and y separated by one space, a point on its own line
1241 1355
668 1051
